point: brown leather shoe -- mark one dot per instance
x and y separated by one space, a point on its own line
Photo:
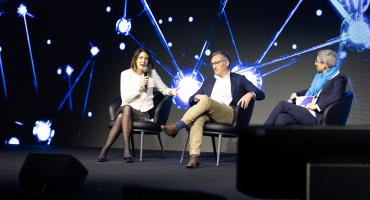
170 129
193 162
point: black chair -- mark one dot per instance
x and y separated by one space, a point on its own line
241 120
162 105
337 113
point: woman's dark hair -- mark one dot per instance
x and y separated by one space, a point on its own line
136 55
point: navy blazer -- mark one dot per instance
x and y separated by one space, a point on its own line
239 87
332 92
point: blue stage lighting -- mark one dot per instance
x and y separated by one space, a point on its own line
18 123
43 132
108 9
196 57
22 10
191 19
123 26
69 70
319 12
169 44
48 41
94 51
342 54
122 46
294 46
187 86
251 73
170 19
59 71
13 141
1 49
275 44
208 52
89 114
358 33
160 21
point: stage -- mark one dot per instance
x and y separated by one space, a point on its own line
106 180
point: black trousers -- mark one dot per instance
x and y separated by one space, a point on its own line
286 113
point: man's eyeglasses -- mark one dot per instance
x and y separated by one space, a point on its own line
217 62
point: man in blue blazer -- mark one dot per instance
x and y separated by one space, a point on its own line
327 87
214 101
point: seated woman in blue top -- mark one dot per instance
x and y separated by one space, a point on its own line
327 87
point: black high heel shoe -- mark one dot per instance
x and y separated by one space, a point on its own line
101 159
128 159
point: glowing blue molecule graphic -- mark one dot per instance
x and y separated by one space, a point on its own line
13 141
43 131
123 26
318 12
59 71
188 81
89 114
208 52
108 9
169 44
22 11
48 42
69 70
187 86
342 54
122 46
94 50
3 75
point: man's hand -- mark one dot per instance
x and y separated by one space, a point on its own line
293 96
199 97
311 106
173 92
244 101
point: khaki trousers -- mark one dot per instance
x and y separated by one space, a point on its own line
205 110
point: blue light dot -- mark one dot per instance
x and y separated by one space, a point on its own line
191 19
69 70
108 9
160 21
275 44
48 41
294 46
169 44
89 114
208 52
13 141
318 12
196 57
59 71
1 49
342 54
122 46
170 19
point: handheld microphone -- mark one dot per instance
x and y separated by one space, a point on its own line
146 70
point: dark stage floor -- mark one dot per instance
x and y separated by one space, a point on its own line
106 180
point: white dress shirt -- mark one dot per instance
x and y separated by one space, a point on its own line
221 91
136 97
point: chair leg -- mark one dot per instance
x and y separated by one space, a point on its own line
219 149
183 151
214 146
141 145
132 145
161 144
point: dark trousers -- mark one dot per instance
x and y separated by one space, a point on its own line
286 113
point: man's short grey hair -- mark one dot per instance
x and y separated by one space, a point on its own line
328 57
